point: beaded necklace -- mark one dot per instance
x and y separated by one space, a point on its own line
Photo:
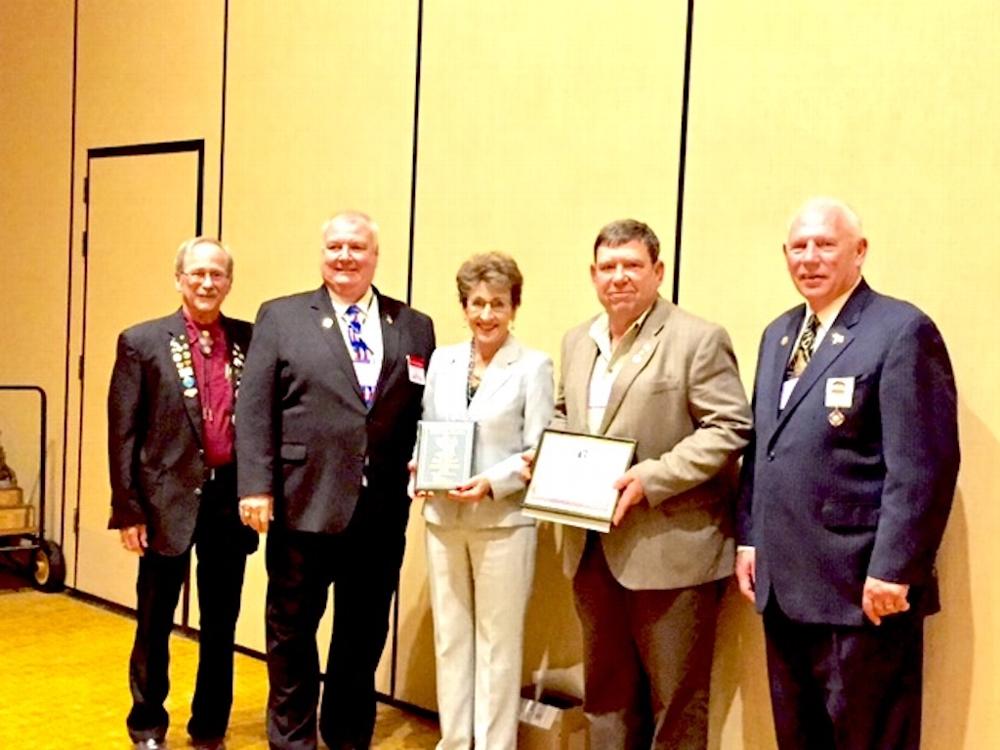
472 383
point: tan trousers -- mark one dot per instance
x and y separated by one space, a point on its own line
480 581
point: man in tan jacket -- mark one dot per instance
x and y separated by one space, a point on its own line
648 591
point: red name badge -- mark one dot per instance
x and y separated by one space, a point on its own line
416 369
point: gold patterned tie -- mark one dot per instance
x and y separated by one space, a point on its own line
803 352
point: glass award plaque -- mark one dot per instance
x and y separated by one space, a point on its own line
444 454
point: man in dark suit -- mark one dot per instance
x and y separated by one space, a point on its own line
173 480
331 398
647 592
846 489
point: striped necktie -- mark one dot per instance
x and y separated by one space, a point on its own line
804 350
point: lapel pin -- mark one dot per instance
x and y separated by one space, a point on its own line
837 338
388 319
784 340
327 322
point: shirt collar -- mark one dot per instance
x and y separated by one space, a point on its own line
600 332
829 314
365 303
193 327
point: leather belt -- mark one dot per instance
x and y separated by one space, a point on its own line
213 473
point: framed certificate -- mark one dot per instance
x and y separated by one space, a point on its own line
444 454
573 478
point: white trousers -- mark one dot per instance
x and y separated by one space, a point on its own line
480 581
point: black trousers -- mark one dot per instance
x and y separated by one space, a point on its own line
838 687
222 549
363 563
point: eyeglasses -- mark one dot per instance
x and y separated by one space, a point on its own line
478 306
199 277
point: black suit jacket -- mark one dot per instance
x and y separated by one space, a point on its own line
305 435
827 503
155 433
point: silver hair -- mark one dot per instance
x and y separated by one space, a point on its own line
188 245
355 217
826 203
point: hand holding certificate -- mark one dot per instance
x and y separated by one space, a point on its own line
573 481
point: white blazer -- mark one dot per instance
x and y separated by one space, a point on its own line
511 408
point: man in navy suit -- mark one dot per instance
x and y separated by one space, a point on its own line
327 421
846 490
173 486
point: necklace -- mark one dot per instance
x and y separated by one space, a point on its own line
472 384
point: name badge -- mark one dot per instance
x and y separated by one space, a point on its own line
839 393
416 368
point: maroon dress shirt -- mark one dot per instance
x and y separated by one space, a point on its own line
210 359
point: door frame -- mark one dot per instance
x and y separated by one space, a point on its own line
196 146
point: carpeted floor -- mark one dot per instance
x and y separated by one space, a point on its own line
63 683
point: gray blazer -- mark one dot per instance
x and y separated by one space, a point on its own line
511 408
680 397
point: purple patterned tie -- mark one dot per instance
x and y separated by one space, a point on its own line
360 352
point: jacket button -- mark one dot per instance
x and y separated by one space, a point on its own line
197 492
770 456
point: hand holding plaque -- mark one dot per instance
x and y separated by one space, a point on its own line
444 455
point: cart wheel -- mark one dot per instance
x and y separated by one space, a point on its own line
49 569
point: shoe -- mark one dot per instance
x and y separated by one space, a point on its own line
219 743
151 744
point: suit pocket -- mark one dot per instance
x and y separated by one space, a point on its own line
293 452
838 514
664 384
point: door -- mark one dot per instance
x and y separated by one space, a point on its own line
143 202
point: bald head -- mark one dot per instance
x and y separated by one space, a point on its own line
838 210
825 250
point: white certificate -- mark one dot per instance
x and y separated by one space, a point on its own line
573 478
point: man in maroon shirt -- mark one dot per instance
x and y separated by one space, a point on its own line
173 479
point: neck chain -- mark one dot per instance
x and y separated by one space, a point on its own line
472 383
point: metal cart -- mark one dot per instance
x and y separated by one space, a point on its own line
23 545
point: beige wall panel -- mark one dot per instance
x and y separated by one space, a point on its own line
895 108
36 77
152 72
540 122
146 72
319 118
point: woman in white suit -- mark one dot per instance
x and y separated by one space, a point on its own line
480 547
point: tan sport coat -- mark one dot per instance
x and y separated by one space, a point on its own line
679 396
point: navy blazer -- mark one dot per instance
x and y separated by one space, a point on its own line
304 434
155 434
827 504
